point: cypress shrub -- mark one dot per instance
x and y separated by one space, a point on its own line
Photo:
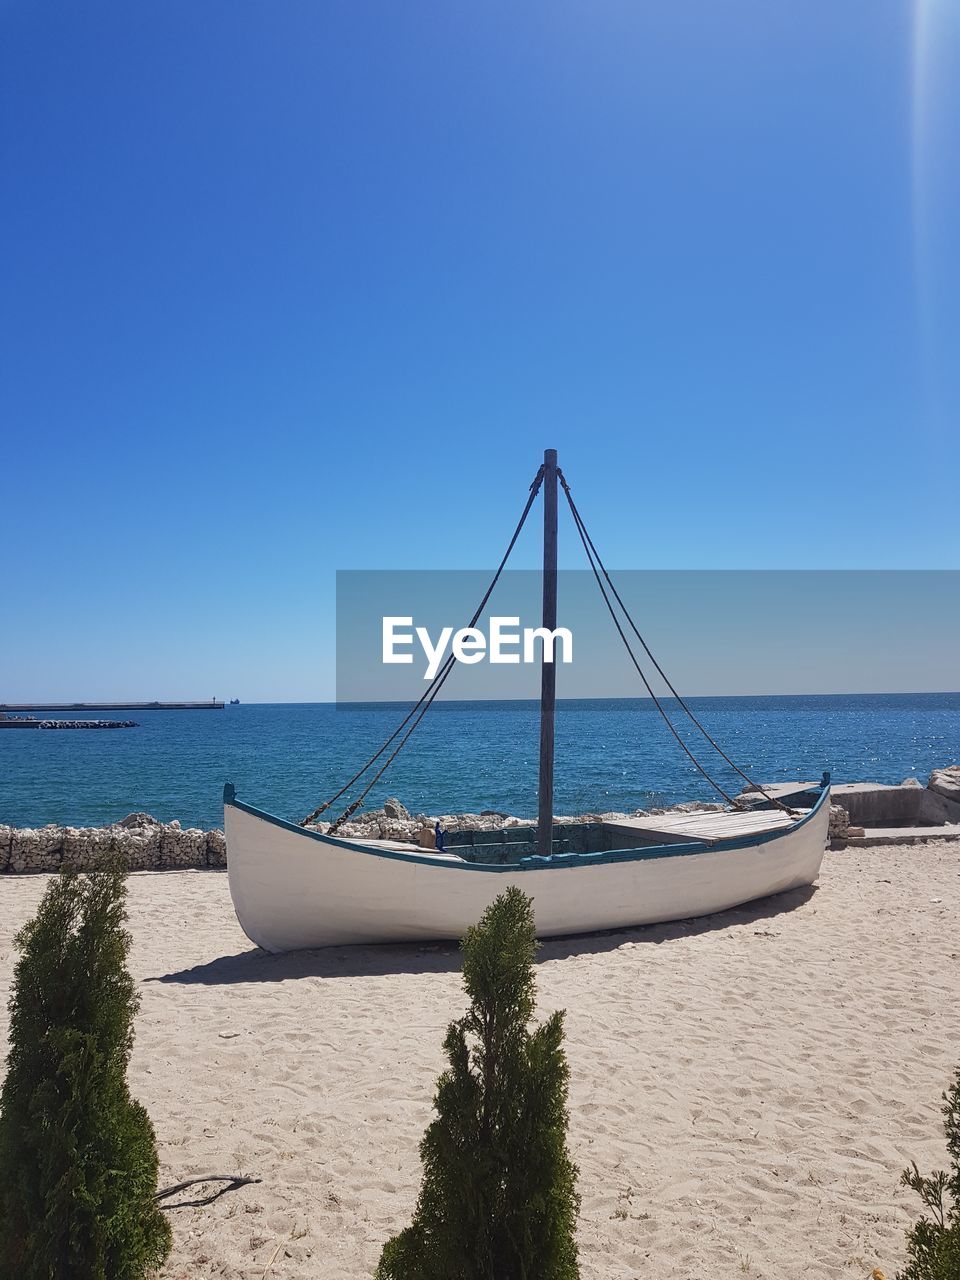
933 1244
78 1156
498 1198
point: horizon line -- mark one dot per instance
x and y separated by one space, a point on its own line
359 702
79 704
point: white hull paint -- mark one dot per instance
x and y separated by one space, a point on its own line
295 889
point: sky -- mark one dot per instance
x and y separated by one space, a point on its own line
291 289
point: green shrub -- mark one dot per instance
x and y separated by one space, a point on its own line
934 1243
498 1199
78 1157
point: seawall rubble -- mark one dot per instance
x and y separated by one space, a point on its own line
146 844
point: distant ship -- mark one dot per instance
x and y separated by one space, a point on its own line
234 702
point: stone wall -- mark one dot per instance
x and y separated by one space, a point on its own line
144 844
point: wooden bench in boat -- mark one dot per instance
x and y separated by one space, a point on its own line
405 846
786 791
703 827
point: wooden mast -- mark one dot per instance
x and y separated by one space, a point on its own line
548 670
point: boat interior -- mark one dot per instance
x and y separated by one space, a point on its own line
704 827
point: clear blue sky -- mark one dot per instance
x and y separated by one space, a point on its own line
296 287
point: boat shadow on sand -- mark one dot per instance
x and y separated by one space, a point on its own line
379 960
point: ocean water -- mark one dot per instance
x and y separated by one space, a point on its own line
610 754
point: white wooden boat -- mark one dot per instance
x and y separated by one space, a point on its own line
295 887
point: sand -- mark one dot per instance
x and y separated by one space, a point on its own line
745 1089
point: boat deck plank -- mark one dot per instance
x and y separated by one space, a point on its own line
777 789
676 828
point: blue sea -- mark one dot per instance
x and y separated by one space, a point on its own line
610 754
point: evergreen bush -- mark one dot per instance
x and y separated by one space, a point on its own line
78 1156
933 1244
498 1198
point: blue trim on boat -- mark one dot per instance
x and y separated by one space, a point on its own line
534 862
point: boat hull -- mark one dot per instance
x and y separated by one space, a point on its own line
294 889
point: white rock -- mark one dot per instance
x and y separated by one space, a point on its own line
946 782
138 820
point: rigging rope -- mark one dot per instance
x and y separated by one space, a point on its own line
415 715
593 555
426 699
666 719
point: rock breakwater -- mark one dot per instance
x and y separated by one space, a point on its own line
395 822
31 722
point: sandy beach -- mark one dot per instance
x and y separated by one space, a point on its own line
744 1089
